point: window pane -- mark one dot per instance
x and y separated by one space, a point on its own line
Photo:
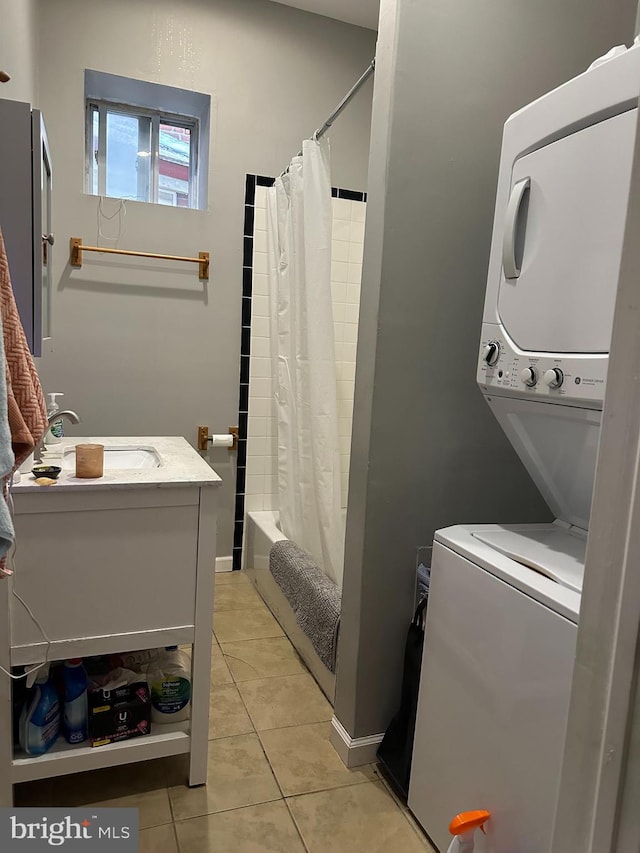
174 166
128 156
95 135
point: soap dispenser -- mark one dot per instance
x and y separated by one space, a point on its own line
55 433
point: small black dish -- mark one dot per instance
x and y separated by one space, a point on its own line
51 471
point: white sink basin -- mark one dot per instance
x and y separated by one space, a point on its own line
119 459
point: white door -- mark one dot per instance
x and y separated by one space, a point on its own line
492 710
564 229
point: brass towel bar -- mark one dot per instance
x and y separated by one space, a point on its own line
76 249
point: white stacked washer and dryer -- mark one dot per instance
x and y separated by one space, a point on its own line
504 599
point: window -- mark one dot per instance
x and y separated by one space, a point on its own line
146 141
142 154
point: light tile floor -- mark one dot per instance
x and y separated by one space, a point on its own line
275 783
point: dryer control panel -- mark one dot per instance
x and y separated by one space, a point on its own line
571 378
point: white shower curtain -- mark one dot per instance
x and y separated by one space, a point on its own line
303 356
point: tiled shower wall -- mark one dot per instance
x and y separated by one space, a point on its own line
257 475
346 273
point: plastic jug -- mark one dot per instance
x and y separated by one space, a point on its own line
75 701
40 718
169 677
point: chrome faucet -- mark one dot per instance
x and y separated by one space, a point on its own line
70 415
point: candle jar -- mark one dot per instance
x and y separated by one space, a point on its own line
89 461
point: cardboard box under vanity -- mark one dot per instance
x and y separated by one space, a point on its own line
119 714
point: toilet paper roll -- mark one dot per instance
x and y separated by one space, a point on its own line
221 440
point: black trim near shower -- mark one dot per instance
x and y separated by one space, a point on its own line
350 195
251 182
245 351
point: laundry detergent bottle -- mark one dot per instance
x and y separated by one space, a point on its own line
463 828
169 677
40 718
75 701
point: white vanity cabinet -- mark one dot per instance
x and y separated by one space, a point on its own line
117 564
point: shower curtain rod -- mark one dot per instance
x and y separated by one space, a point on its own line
343 103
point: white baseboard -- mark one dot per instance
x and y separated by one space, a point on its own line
224 564
353 751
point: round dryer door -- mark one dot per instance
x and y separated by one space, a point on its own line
564 229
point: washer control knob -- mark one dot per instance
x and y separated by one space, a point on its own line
554 377
529 376
491 353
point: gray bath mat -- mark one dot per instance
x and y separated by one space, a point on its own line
314 598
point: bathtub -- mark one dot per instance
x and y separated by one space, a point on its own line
261 531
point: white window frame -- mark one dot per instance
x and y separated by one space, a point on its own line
157 117
169 192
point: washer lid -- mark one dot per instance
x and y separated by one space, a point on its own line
563 234
467 541
557 553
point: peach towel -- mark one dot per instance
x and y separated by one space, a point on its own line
25 401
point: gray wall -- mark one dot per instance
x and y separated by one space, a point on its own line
19 49
426 451
141 348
